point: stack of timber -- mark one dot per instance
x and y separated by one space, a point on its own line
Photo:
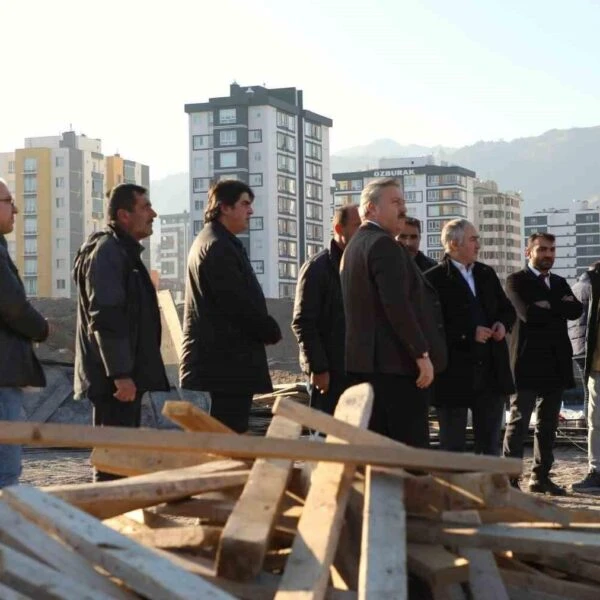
208 513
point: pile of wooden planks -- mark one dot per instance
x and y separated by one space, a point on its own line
207 513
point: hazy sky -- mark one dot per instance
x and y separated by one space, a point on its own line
448 72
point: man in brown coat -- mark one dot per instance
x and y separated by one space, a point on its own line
394 327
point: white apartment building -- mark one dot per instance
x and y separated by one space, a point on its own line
173 250
433 193
266 138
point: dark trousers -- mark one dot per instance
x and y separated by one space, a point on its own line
547 405
112 412
487 413
400 408
231 409
338 383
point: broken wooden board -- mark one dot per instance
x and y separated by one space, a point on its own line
171 538
436 565
109 498
52 403
139 568
192 418
246 536
82 436
307 572
567 590
383 549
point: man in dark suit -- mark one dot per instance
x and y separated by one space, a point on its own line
410 236
394 328
543 352
318 321
226 324
477 316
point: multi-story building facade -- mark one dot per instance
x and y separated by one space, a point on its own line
266 138
577 231
433 193
59 187
497 215
175 233
7 172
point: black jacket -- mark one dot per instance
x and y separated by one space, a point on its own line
118 319
20 324
424 262
456 386
540 345
318 320
392 313
225 323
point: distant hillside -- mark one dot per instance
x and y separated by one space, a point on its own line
171 194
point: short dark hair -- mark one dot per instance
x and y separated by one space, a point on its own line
413 222
536 235
342 214
123 196
226 193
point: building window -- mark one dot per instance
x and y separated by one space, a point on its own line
445 195
256 224
229 177
312 249
447 210
228 160
30 225
258 266
412 197
287 227
167 267
200 184
285 142
228 137
30 266
287 249
287 290
313 151
30 184
314 211
11 167
60 223
313 171
579 218
286 206
197 227
410 181
342 186
434 240
435 254
256 179
288 270
60 284
60 243
314 191
30 205
30 245
312 130
286 163
286 121
254 136
286 184
59 161
30 165
31 286
314 232
201 142
61 263
227 115
60 182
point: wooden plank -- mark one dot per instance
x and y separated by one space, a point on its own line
551 542
436 565
84 436
192 418
169 538
307 572
139 462
572 566
568 590
139 568
51 403
23 536
484 577
7 593
172 338
383 548
26 575
110 498
247 534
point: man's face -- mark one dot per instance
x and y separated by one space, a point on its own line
410 236
346 231
237 217
466 252
138 222
542 253
8 210
390 211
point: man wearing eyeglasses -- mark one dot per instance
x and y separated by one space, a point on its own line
410 236
20 325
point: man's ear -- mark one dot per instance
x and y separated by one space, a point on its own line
337 229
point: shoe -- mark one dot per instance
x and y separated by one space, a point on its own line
546 486
589 484
514 482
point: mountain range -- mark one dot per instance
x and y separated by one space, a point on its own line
550 170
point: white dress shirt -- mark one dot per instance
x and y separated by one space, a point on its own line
467 273
537 274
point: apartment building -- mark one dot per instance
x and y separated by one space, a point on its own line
175 240
268 139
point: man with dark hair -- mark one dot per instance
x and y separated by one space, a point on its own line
318 320
543 357
20 325
410 236
226 324
117 348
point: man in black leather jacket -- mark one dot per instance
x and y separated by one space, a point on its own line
318 321
410 236
20 325
117 347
